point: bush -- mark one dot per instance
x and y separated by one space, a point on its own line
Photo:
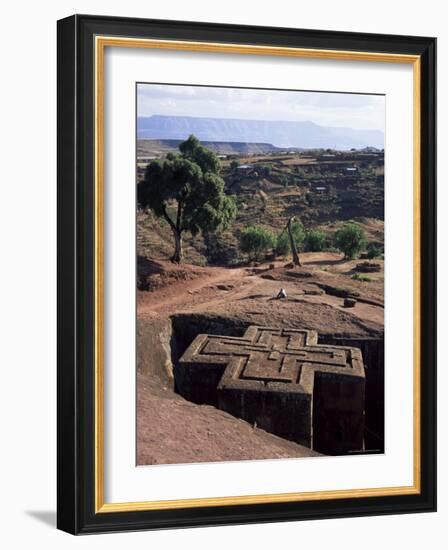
350 240
373 250
315 241
283 245
362 278
256 240
265 170
220 249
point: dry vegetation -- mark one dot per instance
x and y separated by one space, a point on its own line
322 193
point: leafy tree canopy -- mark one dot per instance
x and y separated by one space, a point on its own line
255 240
315 240
350 239
189 182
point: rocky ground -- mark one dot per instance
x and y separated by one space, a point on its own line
172 430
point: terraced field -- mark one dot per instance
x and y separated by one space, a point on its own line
322 190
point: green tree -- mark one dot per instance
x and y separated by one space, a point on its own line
315 240
255 240
283 246
266 170
350 240
187 191
284 241
234 164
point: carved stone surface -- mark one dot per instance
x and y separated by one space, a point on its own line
283 381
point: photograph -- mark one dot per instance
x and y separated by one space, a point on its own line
226 244
246 269
259 273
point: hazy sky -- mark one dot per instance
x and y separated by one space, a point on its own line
365 112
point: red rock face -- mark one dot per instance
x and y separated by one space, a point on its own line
171 430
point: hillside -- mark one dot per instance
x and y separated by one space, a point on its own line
322 189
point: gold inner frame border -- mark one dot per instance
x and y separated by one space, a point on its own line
101 42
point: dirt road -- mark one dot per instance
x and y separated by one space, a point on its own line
215 288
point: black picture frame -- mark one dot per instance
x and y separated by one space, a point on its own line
76 285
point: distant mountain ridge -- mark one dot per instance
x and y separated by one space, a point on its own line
297 134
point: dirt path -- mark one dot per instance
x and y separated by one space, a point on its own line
191 292
216 288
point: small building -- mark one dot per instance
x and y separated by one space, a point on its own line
145 159
245 167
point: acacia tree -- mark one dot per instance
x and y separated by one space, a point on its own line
188 192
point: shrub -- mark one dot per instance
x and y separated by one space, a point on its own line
220 248
283 246
362 278
373 250
265 170
350 240
256 240
315 241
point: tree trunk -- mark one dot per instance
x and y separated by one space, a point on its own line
295 255
178 250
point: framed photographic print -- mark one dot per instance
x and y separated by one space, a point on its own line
246 271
